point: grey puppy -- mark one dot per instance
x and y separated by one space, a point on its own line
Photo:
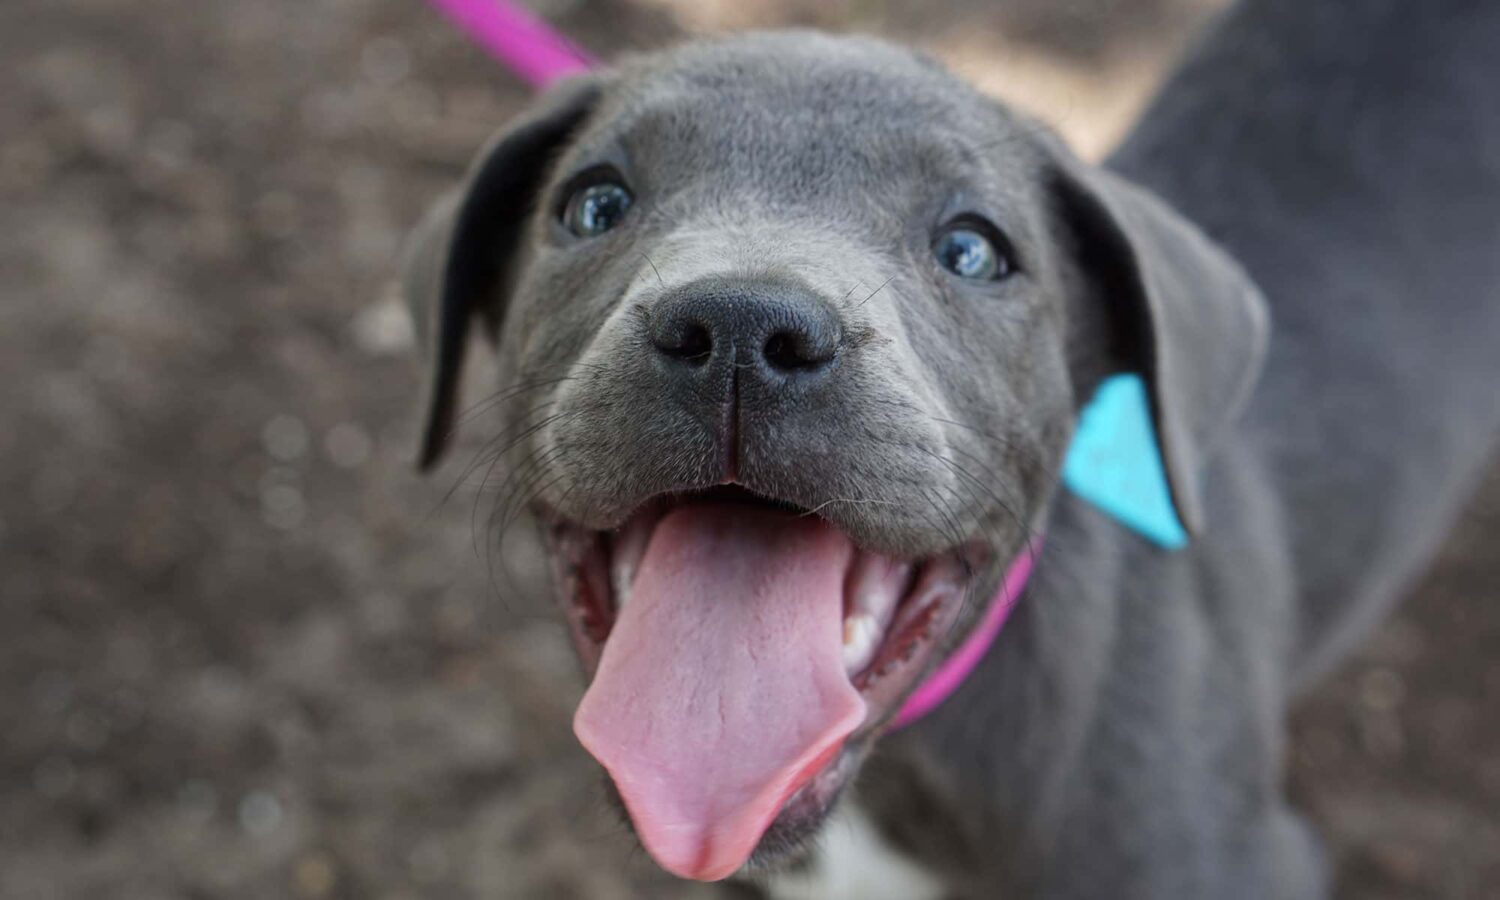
789 323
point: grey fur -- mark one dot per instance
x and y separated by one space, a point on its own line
1124 737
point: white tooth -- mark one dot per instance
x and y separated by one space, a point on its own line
620 581
625 557
876 586
862 635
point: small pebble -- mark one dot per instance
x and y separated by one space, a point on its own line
259 814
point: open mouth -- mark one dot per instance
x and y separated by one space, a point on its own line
740 651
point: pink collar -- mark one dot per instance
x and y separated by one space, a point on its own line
946 678
539 55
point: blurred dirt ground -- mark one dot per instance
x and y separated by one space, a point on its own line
246 653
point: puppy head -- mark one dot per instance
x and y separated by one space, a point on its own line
793 331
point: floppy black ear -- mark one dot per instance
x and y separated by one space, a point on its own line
1183 315
458 258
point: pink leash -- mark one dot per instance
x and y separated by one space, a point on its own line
528 47
517 38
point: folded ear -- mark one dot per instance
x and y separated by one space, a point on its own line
459 259
1183 316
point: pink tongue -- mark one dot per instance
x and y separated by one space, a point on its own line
721 689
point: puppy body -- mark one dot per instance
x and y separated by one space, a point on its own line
853 862
1124 736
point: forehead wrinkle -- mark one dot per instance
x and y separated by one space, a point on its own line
832 259
675 146
752 213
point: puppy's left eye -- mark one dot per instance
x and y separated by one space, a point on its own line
964 249
596 208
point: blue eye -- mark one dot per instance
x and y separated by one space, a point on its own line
967 253
595 209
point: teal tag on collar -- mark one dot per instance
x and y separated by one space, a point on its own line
1115 463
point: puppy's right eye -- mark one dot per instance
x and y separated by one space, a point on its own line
596 208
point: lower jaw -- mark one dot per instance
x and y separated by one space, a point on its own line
793 831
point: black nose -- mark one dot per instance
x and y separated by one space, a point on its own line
773 330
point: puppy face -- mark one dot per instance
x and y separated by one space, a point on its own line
793 331
798 197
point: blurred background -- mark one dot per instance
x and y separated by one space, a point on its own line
245 652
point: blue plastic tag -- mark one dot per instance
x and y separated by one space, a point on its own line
1115 463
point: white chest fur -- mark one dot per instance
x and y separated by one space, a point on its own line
853 862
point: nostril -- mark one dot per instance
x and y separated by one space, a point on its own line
792 351
697 344
780 353
689 341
